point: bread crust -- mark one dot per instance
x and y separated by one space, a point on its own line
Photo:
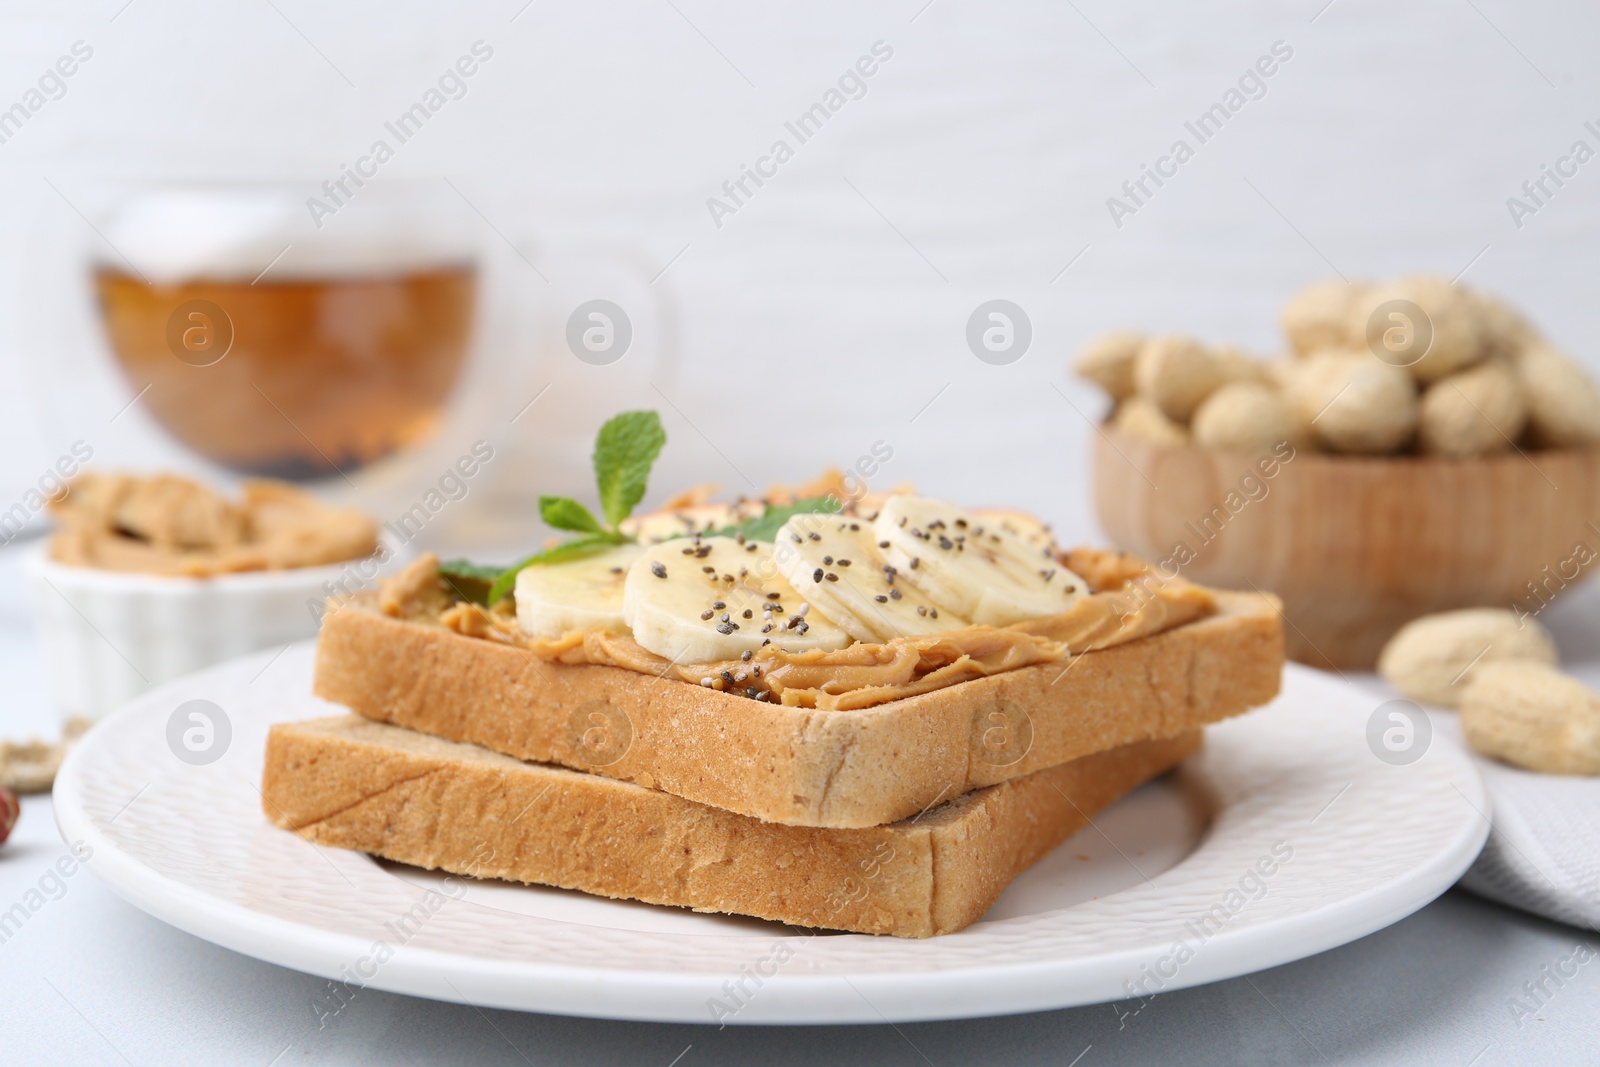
795 766
351 783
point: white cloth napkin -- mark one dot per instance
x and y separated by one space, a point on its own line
1543 855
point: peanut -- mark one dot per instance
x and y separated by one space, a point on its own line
1506 331
1108 361
1278 373
1563 402
1239 367
1177 373
1354 402
1472 412
1246 416
1484 379
1454 319
1432 659
1318 317
10 811
1533 716
30 766
1139 417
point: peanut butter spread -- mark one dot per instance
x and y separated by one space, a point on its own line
1128 602
168 525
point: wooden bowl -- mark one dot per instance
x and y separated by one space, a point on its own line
1356 546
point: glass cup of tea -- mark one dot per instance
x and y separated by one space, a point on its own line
288 331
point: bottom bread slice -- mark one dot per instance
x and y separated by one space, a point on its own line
351 783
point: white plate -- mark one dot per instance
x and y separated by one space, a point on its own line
1120 908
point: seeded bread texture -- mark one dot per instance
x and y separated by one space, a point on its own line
792 765
350 783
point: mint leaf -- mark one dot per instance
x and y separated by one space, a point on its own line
765 526
574 548
471 581
460 568
564 513
624 452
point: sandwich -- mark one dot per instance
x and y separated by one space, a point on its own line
844 710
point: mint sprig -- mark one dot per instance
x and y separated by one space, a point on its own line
624 451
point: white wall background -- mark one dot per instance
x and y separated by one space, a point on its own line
811 325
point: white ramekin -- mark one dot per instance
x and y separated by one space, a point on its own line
108 636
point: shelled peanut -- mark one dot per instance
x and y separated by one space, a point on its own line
1413 365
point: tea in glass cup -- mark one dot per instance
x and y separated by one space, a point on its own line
276 348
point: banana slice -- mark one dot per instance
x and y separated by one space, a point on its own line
689 520
832 560
1034 533
714 599
581 594
984 569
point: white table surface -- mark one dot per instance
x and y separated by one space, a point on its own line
90 979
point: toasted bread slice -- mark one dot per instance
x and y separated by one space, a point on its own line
351 783
792 765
